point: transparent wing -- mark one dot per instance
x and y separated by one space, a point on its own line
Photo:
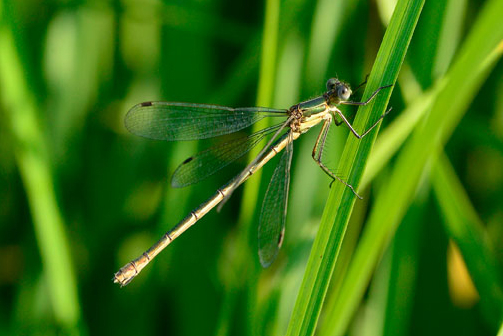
273 214
209 161
241 177
182 121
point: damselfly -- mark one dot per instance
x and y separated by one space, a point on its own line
182 121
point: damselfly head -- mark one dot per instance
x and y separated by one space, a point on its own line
343 91
339 88
332 84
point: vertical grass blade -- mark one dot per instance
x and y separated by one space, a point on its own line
341 200
476 58
30 150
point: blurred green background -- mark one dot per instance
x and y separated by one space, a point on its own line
80 197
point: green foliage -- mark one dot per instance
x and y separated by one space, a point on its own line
80 197
341 200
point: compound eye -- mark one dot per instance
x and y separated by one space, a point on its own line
331 83
344 92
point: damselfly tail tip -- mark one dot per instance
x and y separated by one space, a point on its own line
125 275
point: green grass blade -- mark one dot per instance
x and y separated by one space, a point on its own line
475 60
32 158
340 203
450 35
466 229
328 19
393 137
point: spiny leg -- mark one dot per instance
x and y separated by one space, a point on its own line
351 127
337 123
368 100
318 153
